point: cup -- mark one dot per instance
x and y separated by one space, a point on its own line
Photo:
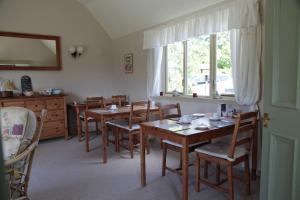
152 104
113 107
215 115
161 93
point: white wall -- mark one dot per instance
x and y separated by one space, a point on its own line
89 75
135 84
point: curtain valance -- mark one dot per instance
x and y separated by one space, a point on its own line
236 14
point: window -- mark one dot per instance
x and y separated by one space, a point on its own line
200 65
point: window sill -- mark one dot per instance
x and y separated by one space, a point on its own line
223 99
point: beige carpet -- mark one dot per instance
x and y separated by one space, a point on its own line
62 170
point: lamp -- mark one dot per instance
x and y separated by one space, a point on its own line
76 51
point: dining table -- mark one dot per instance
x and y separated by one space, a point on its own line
103 115
79 107
200 129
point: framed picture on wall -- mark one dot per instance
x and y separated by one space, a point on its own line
128 63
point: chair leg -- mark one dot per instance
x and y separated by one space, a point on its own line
180 162
230 182
115 134
97 130
130 144
147 146
247 176
164 161
197 167
206 169
218 173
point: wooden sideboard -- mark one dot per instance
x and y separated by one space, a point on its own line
56 121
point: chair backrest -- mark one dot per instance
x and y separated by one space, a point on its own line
169 111
139 112
94 102
245 123
19 168
119 100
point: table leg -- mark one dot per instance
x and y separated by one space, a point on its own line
104 139
87 133
185 169
143 161
78 124
254 153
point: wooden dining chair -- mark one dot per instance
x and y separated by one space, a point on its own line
168 112
91 102
139 112
119 100
229 155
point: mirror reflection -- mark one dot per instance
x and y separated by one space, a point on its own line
28 51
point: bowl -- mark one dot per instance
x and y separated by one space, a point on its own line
28 93
56 91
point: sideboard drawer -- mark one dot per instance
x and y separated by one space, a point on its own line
54 115
54 104
35 106
53 129
13 103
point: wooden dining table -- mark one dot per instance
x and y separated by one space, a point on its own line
103 115
186 135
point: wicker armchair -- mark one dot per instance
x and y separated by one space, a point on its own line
18 167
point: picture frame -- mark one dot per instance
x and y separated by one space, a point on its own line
128 63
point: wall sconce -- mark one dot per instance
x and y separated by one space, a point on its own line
76 51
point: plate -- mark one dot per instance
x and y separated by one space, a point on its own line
215 118
199 115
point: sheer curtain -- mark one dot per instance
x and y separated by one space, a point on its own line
245 57
154 71
241 18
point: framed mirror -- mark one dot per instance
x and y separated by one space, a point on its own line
23 51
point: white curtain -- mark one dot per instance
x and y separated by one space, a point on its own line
226 16
241 17
154 71
245 57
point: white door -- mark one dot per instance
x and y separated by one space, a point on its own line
281 140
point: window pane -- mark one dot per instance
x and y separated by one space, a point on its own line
198 65
175 67
224 81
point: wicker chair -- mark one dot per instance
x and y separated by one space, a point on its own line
18 167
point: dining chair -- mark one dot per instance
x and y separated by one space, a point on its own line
170 111
119 100
91 102
139 112
229 155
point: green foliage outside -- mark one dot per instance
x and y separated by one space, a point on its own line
198 61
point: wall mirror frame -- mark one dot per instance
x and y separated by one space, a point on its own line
56 48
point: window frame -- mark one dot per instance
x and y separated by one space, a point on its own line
212 68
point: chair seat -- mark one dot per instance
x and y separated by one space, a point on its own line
220 150
89 118
180 145
124 125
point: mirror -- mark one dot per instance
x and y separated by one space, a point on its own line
22 51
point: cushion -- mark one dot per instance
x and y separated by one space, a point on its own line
123 124
220 150
13 122
180 145
81 116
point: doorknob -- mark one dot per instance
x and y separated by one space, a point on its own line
266 120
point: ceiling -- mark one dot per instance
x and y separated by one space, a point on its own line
122 17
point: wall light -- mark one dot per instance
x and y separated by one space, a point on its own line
76 51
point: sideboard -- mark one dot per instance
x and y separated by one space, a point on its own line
56 121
